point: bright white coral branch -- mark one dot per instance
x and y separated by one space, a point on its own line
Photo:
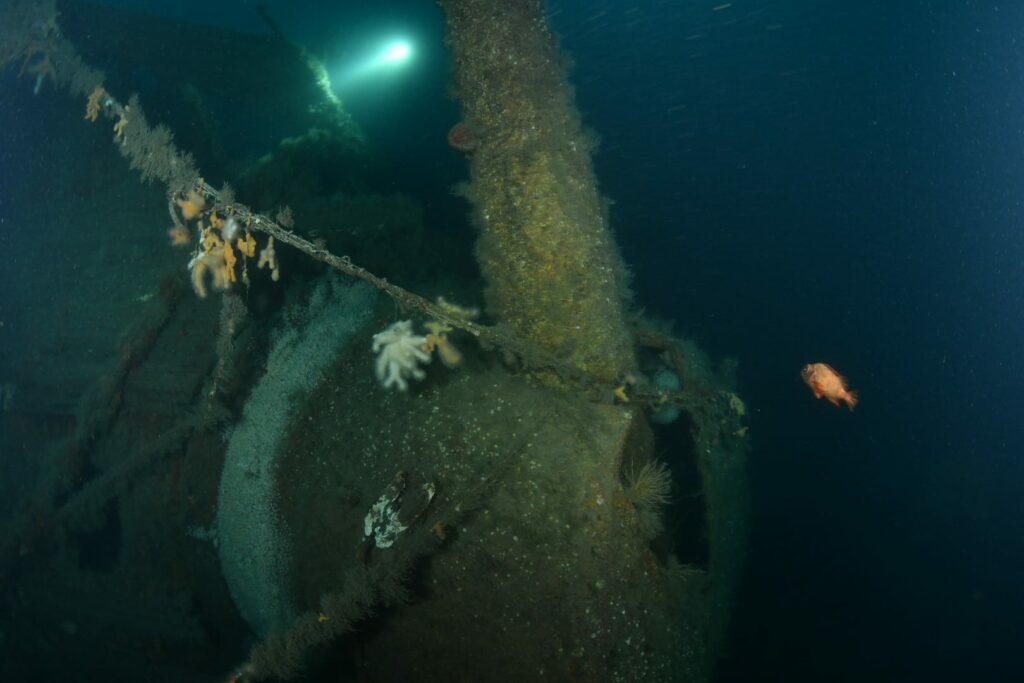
399 354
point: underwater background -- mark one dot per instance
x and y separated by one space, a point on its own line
841 181
791 182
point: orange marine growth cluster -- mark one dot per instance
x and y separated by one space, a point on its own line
437 340
192 205
221 245
210 258
437 333
179 236
96 98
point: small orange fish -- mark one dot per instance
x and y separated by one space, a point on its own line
824 381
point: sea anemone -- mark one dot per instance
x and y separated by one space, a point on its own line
399 355
649 486
462 138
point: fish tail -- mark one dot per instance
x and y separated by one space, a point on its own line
852 399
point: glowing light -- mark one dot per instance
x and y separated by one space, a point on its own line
394 54
398 52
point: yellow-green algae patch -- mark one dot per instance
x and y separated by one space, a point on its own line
552 269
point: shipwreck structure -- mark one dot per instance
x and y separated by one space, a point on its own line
239 488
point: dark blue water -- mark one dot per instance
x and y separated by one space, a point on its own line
841 182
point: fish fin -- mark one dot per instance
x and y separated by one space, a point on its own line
852 399
833 400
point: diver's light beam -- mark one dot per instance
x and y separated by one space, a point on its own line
398 52
393 54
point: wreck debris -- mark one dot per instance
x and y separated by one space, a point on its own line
393 513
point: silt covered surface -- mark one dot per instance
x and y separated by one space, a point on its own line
539 570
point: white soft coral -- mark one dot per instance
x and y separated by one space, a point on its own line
399 354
